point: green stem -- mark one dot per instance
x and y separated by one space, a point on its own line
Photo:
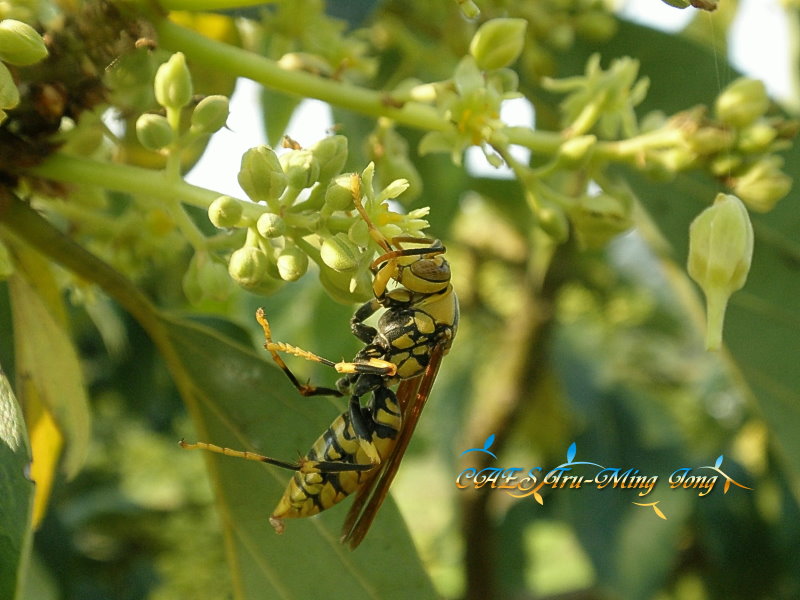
242 63
122 178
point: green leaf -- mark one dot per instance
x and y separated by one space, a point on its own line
278 110
237 399
48 361
16 491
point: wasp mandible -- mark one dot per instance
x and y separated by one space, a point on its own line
362 449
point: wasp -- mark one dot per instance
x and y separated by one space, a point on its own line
361 450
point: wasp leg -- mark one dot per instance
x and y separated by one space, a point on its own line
371 366
305 389
363 430
363 332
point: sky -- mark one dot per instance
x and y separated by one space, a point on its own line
758 48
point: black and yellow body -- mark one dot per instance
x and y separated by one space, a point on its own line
361 450
325 479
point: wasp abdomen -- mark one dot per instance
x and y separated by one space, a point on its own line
312 490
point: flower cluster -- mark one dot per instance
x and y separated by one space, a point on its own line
601 100
737 144
303 208
471 99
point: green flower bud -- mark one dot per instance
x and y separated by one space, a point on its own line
346 287
214 280
331 154
339 253
211 114
742 102
301 168
154 131
756 138
763 184
173 83
710 140
9 94
261 175
159 221
720 252
359 233
469 9
248 267
498 43
205 279
597 219
20 44
504 81
723 164
596 25
292 263
678 3
339 195
225 212
270 225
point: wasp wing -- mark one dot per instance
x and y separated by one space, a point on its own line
412 394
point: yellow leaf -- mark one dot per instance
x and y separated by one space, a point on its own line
46 444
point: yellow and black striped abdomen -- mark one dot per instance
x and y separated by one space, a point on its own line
312 489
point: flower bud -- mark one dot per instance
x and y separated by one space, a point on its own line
248 266
552 220
710 140
211 114
678 3
9 94
20 44
720 252
154 131
723 164
339 253
742 102
270 225
756 138
292 263
301 168
358 233
599 218
346 288
504 81
763 184
159 221
331 154
225 212
261 175
339 195
173 83
498 43
596 25
205 279
469 9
